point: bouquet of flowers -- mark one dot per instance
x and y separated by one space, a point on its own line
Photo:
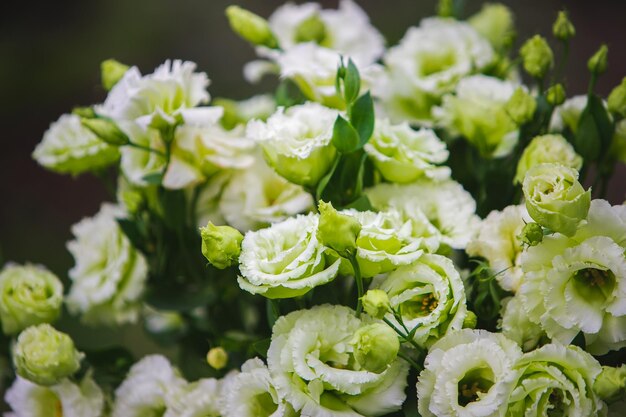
407 230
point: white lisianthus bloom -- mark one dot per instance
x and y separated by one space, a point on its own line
65 399
257 196
68 147
446 208
477 112
311 361
428 293
468 373
252 394
150 387
109 276
556 380
578 284
167 95
297 141
403 155
428 62
202 398
285 260
516 325
138 165
498 241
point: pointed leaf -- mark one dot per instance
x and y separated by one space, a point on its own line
351 83
363 118
345 137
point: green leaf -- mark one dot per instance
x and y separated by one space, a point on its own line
363 118
262 346
174 206
273 311
132 231
361 204
345 138
595 130
351 83
153 178
321 186
180 298
603 122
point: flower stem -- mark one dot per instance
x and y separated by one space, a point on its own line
410 361
146 148
359 283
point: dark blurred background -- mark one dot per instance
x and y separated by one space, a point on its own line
51 50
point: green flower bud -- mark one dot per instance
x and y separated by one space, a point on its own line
106 130
217 358
311 29
537 56
44 355
555 95
617 99
470 320
545 149
521 106
251 27
494 22
112 71
84 112
610 384
376 303
532 234
375 347
29 295
445 8
337 231
221 245
598 62
563 29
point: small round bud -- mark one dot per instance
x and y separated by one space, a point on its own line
611 382
617 100
44 355
537 56
555 95
495 22
563 29
375 347
217 358
311 29
598 62
84 112
532 234
337 231
106 130
376 303
221 245
251 27
111 72
470 320
521 106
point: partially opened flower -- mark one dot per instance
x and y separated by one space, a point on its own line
202 398
546 149
516 325
138 165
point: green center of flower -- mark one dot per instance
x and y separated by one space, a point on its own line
437 61
263 405
312 29
420 306
556 407
474 383
594 284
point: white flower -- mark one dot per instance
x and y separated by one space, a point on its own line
312 365
446 209
296 141
257 196
403 155
516 326
252 394
428 293
285 259
566 115
202 398
138 165
65 399
68 147
109 276
468 373
547 149
498 242
477 112
150 387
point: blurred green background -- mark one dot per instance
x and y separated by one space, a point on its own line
51 51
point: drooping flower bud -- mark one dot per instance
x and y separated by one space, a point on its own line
617 99
532 234
106 131
376 303
521 106
251 27
598 62
111 72
555 95
537 56
375 347
221 245
217 358
337 231
563 29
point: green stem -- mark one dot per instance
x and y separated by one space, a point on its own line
146 148
359 283
410 361
405 336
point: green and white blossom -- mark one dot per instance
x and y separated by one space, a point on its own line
516 325
429 294
296 141
312 364
260 106
468 373
578 284
477 112
69 148
556 380
498 241
547 149
65 399
566 115
285 260
29 294
109 276
138 165
442 210
202 398
403 155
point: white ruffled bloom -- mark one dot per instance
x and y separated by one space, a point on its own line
68 147
151 386
65 399
403 155
312 365
516 325
285 260
468 373
428 293
498 242
252 394
109 276
202 398
444 207
256 197
139 164
578 284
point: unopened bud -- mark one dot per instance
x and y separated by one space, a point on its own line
376 303
251 27
111 72
563 29
106 130
311 29
611 382
532 234
521 106
598 62
337 231
217 358
375 347
537 56
470 320
221 245
617 99
84 112
555 95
